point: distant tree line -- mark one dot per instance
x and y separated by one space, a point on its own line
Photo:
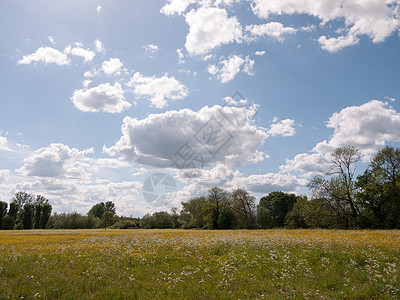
339 200
25 212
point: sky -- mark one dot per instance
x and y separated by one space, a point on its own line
150 103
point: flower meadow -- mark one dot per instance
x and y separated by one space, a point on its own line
199 264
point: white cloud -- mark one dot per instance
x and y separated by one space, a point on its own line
99 9
210 27
104 97
79 51
259 53
230 67
366 127
282 128
272 29
158 89
4 174
58 161
376 19
47 55
112 66
150 48
181 56
4 144
336 44
51 39
157 139
307 164
176 7
99 46
270 182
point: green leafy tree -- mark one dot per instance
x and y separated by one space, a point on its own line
13 211
26 215
273 208
8 222
108 218
244 208
3 212
226 219
218 198
296 218
109 206
97 210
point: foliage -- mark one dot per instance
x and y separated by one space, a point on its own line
273 208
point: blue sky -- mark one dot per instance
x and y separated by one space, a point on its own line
99 95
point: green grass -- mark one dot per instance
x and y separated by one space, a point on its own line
195 265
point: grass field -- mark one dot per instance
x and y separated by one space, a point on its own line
194 264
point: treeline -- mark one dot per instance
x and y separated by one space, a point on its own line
25 212
339 200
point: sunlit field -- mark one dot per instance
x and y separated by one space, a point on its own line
191 264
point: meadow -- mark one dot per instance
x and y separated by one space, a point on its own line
199 264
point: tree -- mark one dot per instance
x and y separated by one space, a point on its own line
379 190
22 198
226 219
108 218
243 207
8 222
46 213
193 212
13 211
97 210
296 218
217 197
273 208
109 206
26 216
343 160
3 212
338 189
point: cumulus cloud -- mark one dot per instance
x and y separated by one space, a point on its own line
229 179
47 55
230 67
150 48
79 51
102 98
99 46
259 53
181 56
210 27
210 135
4 174
112 66
176 7
307 164
282 128
272 29
158 89
58 161
367 127
267 183
336 44
376 19
4 144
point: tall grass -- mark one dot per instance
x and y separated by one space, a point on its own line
184 264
